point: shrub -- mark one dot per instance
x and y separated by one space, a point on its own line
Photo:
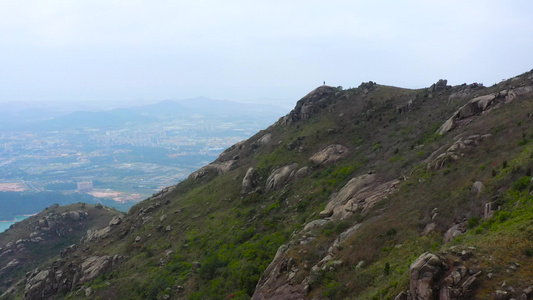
521 183
391 232
473 222
503 216
210 267
342 226
386 269
332 289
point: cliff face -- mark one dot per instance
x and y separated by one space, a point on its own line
374 192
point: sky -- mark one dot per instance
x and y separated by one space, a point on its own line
267 51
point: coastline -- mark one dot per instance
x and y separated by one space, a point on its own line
5 224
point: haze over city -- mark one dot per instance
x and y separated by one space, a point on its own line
275 51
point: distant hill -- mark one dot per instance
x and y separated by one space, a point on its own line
16 203
145 114
375 192
82 120
53 232
207 107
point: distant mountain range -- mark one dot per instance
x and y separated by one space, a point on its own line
28 117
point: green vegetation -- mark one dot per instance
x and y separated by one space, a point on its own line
206 240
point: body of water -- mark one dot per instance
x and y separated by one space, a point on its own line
4 225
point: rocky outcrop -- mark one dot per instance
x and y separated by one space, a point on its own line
474 107
477 187
65 276
480 104
358 195
348 192
367 87
438 86
264 140
218 168
160 194
280 177
260 142
309 105
116 220
455 231
423 273
302 172
10 265
93 266
279 280
93 234
275 282
49 226
454 275
457 150
405 108
329 155
431 227
516 92
250 181
47 232
464 91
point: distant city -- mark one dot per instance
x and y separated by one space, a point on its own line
125 155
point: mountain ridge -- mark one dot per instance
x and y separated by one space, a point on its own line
364 193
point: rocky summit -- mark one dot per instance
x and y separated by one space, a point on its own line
374 192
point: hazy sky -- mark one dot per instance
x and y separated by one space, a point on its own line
252 50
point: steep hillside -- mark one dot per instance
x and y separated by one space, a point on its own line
53 232
375 192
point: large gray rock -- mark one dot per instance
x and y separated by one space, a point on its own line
315 224
309 105
477 187
250 181
457 150
463 93
329 155
438 86
349 191
423 273
455 231
474 107
429 229
115 221
481 104
281 176
93 234
94 266
36 284
218 168
274 285
264 140
515 93
302 172
358 195
10 265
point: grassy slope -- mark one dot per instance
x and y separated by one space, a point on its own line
235 238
